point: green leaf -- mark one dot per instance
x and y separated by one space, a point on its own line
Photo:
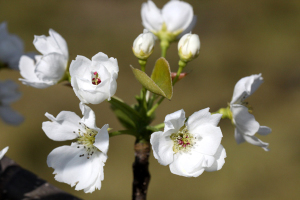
125 109
161 75
160 83
127 132
125 120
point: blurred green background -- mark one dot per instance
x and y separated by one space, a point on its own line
238 38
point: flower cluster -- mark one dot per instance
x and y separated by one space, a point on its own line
93 82
189 146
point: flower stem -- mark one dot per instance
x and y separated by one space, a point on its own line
141 175
150 112
143 64
181 66
164 45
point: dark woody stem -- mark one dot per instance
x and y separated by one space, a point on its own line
141 175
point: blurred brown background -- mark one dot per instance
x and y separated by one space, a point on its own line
238 38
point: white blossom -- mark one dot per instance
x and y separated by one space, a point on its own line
80 164
9 93
94 81
48 68
245 124
177 17
143 45
11 48
189 47
3 152
190 147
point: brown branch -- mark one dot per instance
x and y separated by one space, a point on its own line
17 183
141 175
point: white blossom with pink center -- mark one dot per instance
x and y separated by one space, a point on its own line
94 81
80 164
191 147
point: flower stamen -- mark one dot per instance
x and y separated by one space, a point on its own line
183 140
96 79
86 140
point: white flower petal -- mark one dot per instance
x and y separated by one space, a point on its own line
72 169
208 139
174 121
51 67
61 43
111 64
27 67
219 160
100 176
257 142
96 167
92 96
178 15
27 70
189 28
244 121
238 136
80 67
40 85
113 88
151 16
89 117
246 87
202 117
101 139
85 84
46 45
162 148
187 164
9 116
3 152
64 127
264 130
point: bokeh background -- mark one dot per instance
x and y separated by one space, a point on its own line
238 38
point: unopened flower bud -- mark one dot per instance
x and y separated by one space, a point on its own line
143 45
188 47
